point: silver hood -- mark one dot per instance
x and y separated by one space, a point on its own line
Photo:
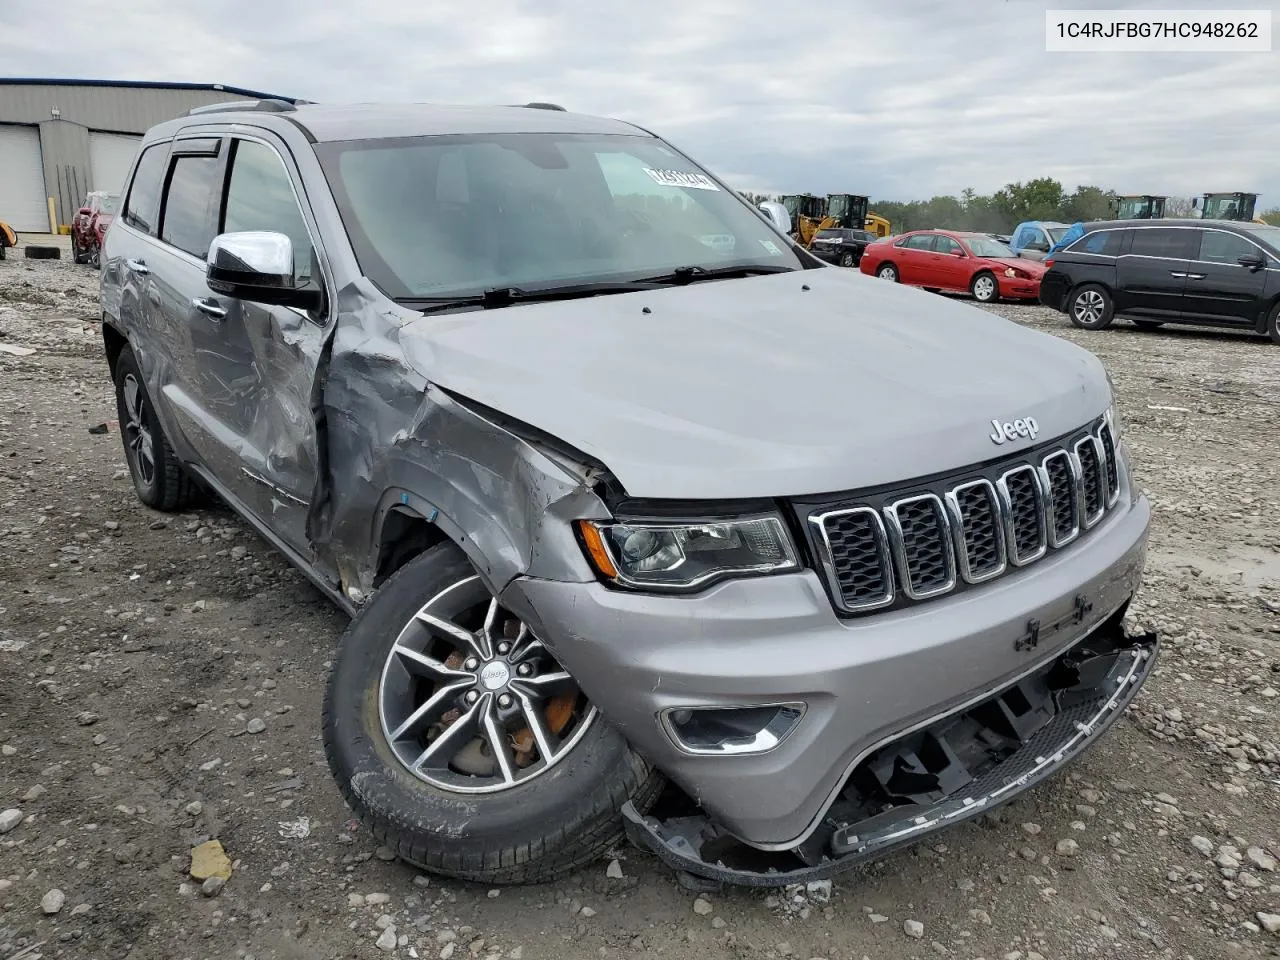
811 382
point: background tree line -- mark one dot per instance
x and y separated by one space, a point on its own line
1040 199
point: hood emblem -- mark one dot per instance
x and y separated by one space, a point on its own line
1024 428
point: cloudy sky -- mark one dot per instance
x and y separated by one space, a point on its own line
899 100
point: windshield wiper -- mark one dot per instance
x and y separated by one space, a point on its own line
506 296
692 273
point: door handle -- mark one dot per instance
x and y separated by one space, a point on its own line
138 266
209 308
1196 276
1174 273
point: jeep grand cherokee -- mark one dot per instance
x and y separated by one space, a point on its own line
613 507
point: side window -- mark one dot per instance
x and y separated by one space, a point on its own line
260 197
1105 242
946 245
921 242
189 202
1163 242
1219 247
142 209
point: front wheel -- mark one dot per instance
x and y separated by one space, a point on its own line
1273 324
1090 307
846 259
77 255
461 742
984 288
888 272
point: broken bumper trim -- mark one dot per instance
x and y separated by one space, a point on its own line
1071 718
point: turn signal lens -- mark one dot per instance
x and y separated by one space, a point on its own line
596 549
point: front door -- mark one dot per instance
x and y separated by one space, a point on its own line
1219 288
1151 275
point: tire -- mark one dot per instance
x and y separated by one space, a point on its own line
158 477
561 816
1090 307
985 287
77 255
846 259
1273 324
1148 324
887 271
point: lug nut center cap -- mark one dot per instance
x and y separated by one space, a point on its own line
494 675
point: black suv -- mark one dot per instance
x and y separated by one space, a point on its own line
1210 272
841 246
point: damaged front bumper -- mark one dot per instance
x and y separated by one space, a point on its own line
957 767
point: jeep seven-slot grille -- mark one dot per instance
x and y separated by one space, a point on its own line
924 541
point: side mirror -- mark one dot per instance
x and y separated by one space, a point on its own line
777 214
958 254
1253 261
257 265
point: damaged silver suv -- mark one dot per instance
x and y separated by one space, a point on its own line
646 518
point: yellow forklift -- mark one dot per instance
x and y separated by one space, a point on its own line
808 216
1138 207
1228 206
850 212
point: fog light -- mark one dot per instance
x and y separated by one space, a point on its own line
731 731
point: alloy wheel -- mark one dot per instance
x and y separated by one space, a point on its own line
1089 307
887 272
984 288
138 431
471 701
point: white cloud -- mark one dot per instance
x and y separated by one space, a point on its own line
897 101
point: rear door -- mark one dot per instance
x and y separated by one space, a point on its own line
1151 276
949 264
916 259
1219 288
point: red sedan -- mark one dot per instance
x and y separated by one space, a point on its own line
947 260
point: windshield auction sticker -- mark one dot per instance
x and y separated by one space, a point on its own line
678 178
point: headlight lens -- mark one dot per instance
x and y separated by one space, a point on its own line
1113 412
680 556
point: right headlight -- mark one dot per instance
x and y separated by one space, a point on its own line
1113 412
675 556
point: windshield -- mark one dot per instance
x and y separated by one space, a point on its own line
451 216
1057 233
986 247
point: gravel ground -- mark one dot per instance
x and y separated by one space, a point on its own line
161 676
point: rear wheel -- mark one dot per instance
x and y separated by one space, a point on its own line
1090 307
984 287
77 255
887 271
462 743
158 477
846 259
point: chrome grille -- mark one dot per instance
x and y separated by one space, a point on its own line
978 529
1063 501
922 546
893 549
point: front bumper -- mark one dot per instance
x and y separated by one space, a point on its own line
958 767
774 640
1013 288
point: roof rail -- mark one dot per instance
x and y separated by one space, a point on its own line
261 106
537 105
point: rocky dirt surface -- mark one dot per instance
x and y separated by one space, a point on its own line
161 677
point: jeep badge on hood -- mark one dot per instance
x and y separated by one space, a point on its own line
1025 427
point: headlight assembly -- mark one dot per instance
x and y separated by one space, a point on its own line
1113 412
660 555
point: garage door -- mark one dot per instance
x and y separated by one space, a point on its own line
110 157
22 198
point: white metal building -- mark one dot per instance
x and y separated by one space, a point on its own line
63 138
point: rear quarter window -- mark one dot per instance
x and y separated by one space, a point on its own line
1104 242
143 206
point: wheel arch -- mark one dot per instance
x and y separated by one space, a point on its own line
1264 315
113 342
